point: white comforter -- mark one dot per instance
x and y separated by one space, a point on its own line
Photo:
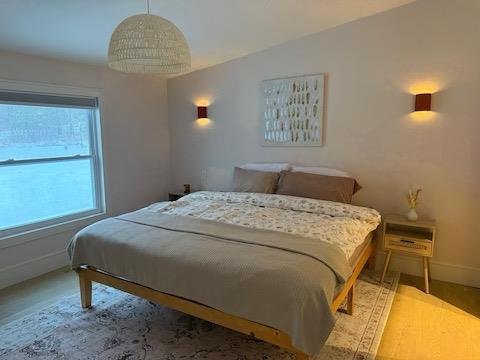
340 224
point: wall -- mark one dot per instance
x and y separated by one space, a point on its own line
135 150
372 66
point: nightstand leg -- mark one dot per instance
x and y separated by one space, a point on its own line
385 267
426 274
429 271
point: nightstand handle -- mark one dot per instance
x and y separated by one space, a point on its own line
407 241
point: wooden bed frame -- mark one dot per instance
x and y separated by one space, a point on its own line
88 274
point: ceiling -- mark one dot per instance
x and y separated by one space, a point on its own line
216 30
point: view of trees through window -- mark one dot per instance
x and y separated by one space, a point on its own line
45 188
40 131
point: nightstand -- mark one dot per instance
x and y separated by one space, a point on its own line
175 196
410 237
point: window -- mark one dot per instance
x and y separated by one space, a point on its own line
50 167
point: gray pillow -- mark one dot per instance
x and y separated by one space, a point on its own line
254 181
314 186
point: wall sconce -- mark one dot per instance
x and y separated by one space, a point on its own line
202 112
423 102
202 116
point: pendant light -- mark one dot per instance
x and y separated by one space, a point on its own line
148 44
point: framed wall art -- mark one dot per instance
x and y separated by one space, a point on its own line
293 111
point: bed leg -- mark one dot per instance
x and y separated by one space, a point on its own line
85 290
301 356
350 297
372 262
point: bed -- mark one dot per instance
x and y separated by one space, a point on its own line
275 267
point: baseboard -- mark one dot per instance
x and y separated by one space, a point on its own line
14 274
413 265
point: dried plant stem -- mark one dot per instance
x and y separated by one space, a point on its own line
412 198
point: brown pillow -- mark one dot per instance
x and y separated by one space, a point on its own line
322 187
254 181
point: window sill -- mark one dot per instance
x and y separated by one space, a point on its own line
32 235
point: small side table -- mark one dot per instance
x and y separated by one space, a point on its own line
410 237
175 196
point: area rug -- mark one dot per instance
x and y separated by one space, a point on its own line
124 327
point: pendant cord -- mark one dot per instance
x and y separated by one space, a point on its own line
148 7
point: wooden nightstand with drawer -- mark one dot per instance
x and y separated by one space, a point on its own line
410 237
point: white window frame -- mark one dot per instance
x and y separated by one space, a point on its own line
75 219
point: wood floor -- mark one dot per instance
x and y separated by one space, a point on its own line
444 324
32 295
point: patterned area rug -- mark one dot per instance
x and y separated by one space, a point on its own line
124 327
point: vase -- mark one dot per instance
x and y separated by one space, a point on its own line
412 215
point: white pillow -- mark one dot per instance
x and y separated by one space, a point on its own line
216 179
269 167
320 171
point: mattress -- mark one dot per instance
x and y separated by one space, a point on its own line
353 259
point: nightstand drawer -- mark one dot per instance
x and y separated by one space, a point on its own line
408 244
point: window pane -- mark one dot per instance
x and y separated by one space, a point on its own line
43 131
35 192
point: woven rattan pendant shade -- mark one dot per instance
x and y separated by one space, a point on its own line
148 44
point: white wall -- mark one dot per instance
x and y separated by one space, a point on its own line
371 66
135 150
